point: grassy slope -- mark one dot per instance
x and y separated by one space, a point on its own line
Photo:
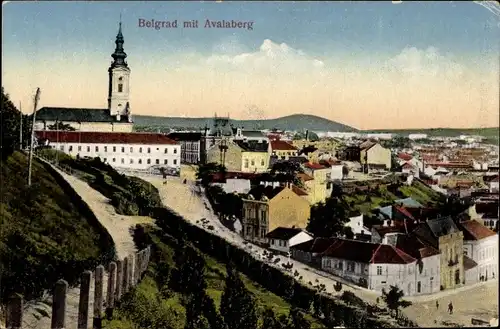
54 231
417 191
215 273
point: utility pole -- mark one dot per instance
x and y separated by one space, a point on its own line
37 97
21 127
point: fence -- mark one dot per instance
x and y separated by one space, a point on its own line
123 275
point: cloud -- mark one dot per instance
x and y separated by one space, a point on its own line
429 63
270 56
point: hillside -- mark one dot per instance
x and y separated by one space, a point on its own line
46 234
297 122
158 301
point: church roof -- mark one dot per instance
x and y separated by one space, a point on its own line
66 114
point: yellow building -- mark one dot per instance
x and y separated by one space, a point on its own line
283 150
240 156
324 145
375 154
444 235
267 208
320 187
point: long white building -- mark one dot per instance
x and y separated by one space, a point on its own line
137 151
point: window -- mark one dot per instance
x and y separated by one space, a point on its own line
120 87
97 148
175 161
70 148
379 270
149 150
246 163
114 148
131 150
419 286
114 160
105 149
263 232
165 162
140 161
79 148
88 148
263 216
166 150
123 149
253 162
131 161
123 160
157 161
61 147
175 151
149 161
262 163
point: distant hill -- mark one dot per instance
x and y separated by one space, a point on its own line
297 122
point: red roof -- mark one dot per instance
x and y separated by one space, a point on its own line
476 231
408 166
298 191
314 166
92 137
404 212
366 252
304 177
282 146
405 156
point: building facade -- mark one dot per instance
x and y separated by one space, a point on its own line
267 208
320 188
283 150
190 143
375 154
135 151
117 117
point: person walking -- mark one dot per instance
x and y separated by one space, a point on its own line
437 305
450 308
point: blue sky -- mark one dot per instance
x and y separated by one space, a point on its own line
359 34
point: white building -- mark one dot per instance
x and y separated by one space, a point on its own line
282 238
357 226
382 136
337 171
417 136
136 151
481 245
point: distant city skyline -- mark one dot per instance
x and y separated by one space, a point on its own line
370 65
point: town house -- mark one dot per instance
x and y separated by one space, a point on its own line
238 155
444 235
283 150
481 244
282 238
309 252
374 156
320 188
267 207
190 146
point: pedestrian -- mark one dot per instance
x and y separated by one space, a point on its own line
450 308
437 305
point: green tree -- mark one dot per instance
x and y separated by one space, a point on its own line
194 314
237 303
11 124
269 320
328 218
190 271
206 171
393 299
59 125
298 320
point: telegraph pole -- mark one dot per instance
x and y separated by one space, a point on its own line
21 127
37 97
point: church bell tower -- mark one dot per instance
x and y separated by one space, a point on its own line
119 77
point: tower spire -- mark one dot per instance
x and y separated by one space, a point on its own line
119 55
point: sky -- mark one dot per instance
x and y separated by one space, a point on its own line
370 65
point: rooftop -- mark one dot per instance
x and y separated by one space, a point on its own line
92 137
67 114
282 145
474 230
283 233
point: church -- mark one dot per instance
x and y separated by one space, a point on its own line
116 118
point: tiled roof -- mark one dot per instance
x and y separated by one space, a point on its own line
298 191
317 245
283 233
252 146
253 133
304 177
415 247
282 145
442 226
66 114
367 145
409 202
405 156
185 136
474 230
405 212
314 166
91 137
367 252
469 263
